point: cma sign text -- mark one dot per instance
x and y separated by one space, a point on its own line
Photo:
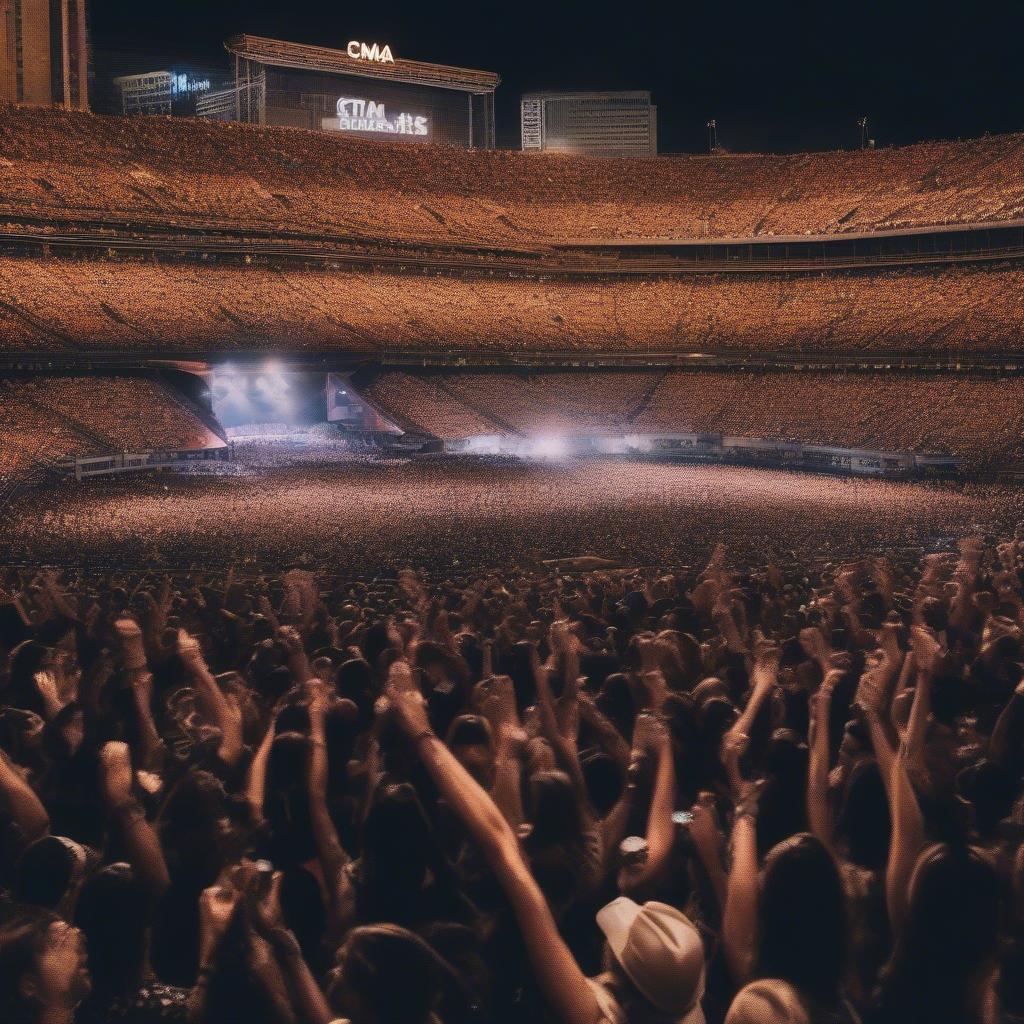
370 51
369 116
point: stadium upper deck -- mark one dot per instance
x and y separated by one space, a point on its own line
71 168
90 307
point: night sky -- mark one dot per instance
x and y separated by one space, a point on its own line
775 76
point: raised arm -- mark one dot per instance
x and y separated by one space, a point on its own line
265 917
818 762
1006 735
660 828
871 698
926 655
298 662
212 700
141 844
563 745
499 707
332 855
611 740
906 843
256 782
766 673
559 977
965 576
707 841
20 804
740 921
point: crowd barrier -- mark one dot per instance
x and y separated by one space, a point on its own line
720 448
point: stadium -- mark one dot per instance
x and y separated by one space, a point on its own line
852 313
588 589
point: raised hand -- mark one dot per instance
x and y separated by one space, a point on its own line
734 746
927 649
820 702
814 644
870 695
649 734
116 772
189 649
767 655
560 635
407 703
264 907
49 692
498 706
130 634
216 909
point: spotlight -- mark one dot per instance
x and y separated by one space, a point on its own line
550 447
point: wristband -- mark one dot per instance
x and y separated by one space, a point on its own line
747 809
425 734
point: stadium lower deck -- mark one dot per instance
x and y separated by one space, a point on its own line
283 501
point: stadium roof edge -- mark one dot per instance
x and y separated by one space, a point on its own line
280 53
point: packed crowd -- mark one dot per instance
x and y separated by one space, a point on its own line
73 167
281 502
979 419
117 306
31 435
771 795
48 420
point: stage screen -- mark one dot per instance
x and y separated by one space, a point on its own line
370 108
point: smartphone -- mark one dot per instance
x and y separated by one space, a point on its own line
264 876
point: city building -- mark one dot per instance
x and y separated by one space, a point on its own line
127 81
363 90
590 123
44 53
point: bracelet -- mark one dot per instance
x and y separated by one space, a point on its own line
425 734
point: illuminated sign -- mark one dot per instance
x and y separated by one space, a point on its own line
370 51
356 115
183 84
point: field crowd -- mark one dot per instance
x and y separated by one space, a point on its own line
273 506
